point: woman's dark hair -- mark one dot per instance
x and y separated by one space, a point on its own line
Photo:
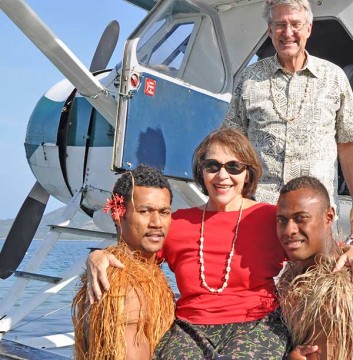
234 142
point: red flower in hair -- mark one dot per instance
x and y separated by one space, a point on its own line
116 207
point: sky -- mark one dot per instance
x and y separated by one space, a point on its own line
26 74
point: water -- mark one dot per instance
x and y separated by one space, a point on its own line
54 315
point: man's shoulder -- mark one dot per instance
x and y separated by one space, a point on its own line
321 61
325 66
185 213
130 260
260 66
259 70
263 212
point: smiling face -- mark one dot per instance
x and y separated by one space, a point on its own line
304 225
289 44
146 221
224 189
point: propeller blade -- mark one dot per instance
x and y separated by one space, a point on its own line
23 230
61 56
106 47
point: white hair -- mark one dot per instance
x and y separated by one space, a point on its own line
293 4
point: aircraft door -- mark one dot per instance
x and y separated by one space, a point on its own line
175 87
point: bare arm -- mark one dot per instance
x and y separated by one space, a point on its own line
322 349
97 281
345 156
134 350
137 347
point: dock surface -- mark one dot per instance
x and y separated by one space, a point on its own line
13 350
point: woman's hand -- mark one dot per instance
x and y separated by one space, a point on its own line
302 351
345 260
97 264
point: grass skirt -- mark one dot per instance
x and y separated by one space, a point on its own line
100 328
319 302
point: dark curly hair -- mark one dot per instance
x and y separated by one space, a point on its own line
307 182
235 143
143 176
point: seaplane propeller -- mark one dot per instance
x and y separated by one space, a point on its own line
106 47
28 218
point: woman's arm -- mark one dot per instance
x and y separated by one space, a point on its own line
97 264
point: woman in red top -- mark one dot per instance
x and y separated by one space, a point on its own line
225 255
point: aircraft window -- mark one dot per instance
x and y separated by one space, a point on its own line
171 49
164 40
177 43
168 52
153 29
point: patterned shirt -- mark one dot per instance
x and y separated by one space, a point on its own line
294 121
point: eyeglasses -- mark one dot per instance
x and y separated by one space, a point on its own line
281 26
232 167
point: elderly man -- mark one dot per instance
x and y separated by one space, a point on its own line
316 302
296 109
138 309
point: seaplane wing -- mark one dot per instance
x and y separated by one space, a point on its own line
61 56
144 4
80 81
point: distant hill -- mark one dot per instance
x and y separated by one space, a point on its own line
80 220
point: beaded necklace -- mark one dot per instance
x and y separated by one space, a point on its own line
230 256
275 107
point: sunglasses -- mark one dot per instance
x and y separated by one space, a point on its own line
232 167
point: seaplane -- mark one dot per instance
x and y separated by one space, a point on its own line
172 86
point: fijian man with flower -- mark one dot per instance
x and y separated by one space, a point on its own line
138 309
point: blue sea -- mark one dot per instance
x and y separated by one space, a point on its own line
54 315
